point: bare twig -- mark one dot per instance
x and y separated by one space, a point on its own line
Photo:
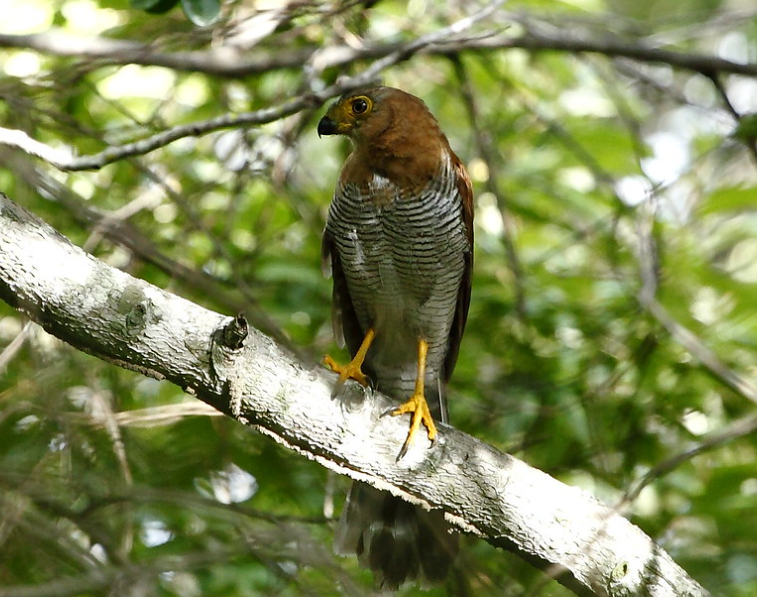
233 62
705 355
488 152
743 426
750 142
647 256
63 159
117 230
10 351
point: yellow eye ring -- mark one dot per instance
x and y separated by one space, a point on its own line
360 105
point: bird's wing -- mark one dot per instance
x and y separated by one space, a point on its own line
343 317
465 190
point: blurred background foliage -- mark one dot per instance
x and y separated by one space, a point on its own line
612 335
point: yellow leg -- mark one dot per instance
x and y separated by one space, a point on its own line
417 404
353 369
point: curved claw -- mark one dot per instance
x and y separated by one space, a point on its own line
418 406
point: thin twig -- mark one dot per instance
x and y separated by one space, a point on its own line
234 63
122 232
488 153
741 427
647 256
63 159
10 351
693 344
750 142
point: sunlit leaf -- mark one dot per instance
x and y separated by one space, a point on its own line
202 12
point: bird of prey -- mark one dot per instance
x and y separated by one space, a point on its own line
399 244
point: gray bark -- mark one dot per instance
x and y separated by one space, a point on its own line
565 531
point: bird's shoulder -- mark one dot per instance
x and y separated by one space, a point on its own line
400 177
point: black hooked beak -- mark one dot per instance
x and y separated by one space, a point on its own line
327 126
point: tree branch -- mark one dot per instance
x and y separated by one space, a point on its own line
241 372
648 266
229 62
64 159
119 231
234 63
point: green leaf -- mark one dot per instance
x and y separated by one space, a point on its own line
730 199
747 128
201 12
154 6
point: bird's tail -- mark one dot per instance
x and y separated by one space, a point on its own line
398 541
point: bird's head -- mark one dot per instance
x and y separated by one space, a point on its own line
377 114
348 114
394 134
355 112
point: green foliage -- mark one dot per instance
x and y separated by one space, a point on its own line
582 164
154 6
200 12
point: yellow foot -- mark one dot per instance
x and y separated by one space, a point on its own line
418 406
351 370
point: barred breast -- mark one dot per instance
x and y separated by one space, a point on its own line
403 257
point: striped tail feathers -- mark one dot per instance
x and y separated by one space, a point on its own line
398 541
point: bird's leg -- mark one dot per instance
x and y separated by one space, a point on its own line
353 369
417 404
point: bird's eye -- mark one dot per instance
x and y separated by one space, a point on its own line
359 105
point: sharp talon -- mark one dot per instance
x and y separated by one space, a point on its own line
418 407
403 451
